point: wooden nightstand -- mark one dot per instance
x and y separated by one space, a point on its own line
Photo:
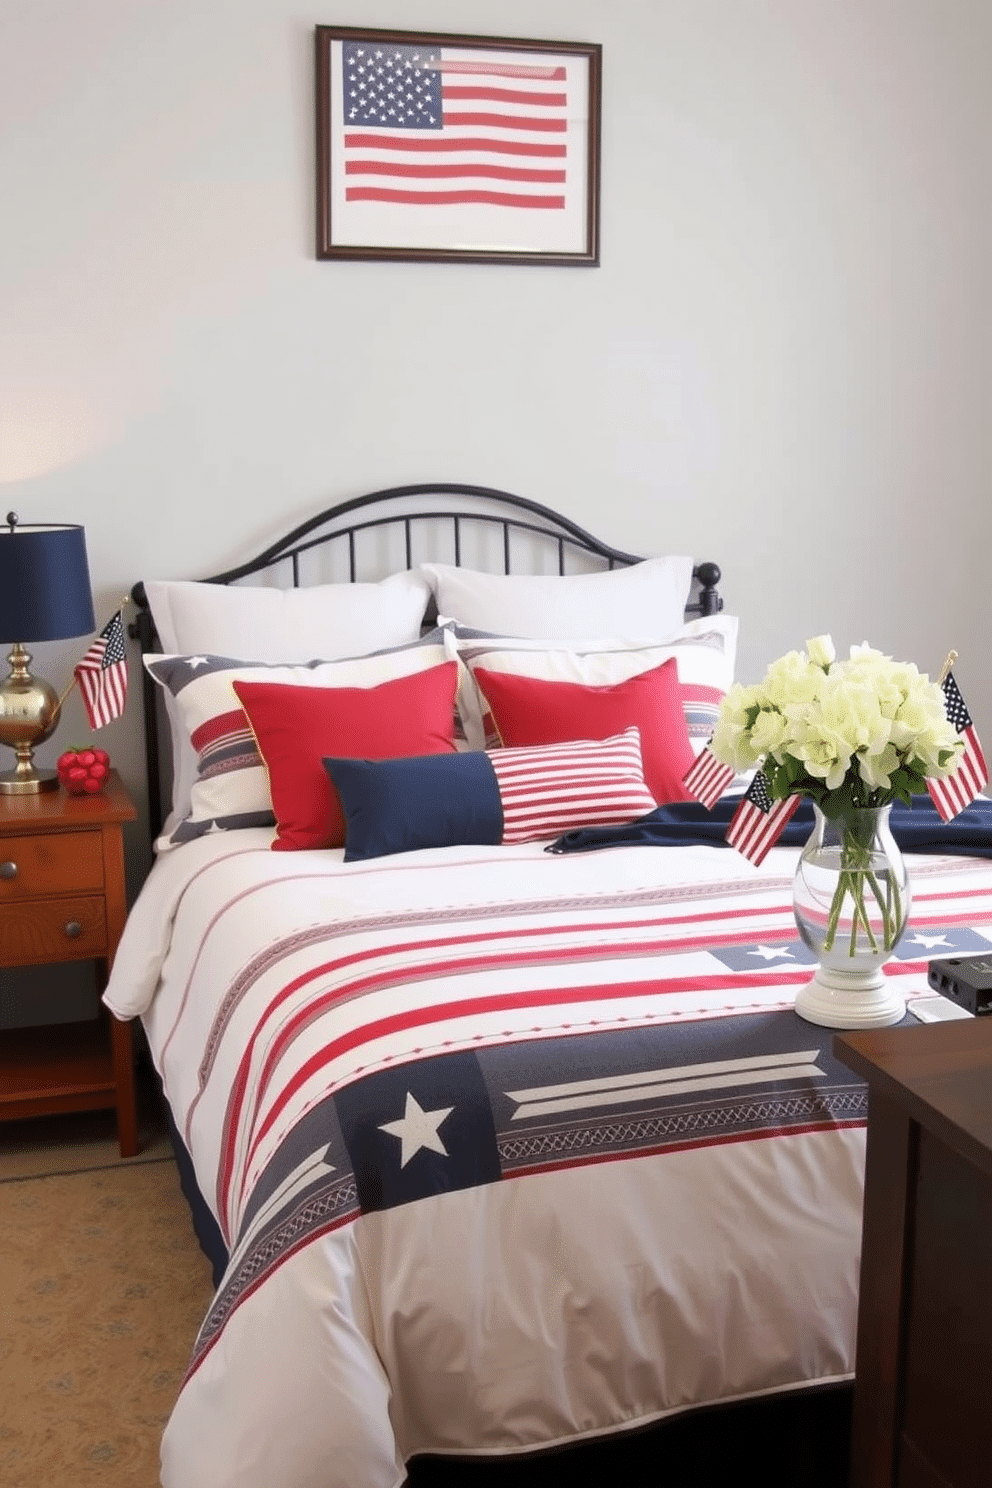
62 898
921 1391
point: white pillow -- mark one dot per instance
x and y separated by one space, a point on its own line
329 621
705 651
288 625
646 600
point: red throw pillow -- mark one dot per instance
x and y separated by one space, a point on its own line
530 710
295 727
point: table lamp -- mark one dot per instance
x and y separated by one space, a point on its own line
44 596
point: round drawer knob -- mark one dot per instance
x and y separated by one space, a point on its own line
73 929
8 870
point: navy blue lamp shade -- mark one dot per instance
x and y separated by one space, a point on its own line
44 596
44 583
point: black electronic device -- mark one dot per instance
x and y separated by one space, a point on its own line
966 980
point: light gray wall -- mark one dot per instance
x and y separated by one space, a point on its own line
783 362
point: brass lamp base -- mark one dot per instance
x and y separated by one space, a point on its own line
29 711
12 784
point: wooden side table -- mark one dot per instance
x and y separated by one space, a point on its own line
922 1417
62 898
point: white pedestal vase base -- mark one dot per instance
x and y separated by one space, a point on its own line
850 999
851 897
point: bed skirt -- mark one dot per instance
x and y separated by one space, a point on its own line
794 1440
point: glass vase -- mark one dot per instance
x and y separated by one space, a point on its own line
851 899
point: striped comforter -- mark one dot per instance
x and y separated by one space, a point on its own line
507 1149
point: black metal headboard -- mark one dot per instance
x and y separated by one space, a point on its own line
451 508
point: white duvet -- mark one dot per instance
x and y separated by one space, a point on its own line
680 1229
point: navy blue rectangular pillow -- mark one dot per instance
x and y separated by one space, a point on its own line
431 800
508 796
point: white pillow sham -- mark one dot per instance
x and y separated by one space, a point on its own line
290 626
646 600
705 652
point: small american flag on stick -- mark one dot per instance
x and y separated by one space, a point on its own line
757 824
971 776
102 674
708 778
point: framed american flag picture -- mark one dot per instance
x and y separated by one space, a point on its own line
438 147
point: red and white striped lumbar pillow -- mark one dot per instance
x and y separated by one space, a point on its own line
548 789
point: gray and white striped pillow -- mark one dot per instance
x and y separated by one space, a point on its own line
231 788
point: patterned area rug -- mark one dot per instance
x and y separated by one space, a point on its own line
102 1289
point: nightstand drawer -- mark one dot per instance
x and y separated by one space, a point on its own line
35 931
56 863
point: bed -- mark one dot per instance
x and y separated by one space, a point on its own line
495 1149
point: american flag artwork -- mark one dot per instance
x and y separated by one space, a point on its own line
428 129
757 824
102 674
956 791
458 147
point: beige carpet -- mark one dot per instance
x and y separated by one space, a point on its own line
102 1289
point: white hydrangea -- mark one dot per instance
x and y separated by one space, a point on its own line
732 740
820 651
791 679
863 718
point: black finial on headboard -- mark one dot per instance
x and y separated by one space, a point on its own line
708 575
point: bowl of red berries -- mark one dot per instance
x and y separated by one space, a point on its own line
83 772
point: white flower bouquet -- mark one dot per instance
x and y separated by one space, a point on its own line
853 736
847 734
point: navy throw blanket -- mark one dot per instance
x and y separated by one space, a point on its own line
917 829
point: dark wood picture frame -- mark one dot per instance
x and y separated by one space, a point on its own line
504 169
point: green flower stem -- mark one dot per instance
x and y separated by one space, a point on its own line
850 881
853 880
891 907
860 912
